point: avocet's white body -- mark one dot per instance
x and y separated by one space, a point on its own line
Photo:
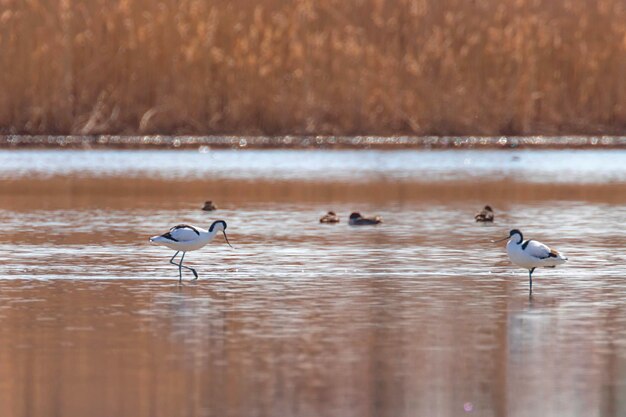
187 238
531 254
184 238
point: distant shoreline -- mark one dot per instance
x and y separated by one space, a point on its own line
310 142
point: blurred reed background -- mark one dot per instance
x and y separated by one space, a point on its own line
313 67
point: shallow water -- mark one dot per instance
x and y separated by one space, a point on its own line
541 166
418 316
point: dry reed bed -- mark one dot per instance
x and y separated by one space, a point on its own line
483 67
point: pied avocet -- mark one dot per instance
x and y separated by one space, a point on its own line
184 238
531 254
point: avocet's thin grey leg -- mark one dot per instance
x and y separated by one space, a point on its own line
192 270
180 266
180 275
180 270
195 274
172 260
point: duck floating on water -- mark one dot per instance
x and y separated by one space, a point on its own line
357 220
485 215
209 206
330 217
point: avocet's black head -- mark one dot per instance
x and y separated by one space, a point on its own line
355 215
488 208
220 226
514 232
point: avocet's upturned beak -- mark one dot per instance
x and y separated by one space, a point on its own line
225 237
500 240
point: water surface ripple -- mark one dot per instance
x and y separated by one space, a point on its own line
421 315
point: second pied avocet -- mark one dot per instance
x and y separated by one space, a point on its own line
531 254
184 238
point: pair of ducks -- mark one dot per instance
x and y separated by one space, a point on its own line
356 219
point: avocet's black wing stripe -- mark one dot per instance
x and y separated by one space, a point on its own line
185 226
184 233
169 236
536 249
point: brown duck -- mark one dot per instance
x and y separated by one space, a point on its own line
329 217
209 206
485 215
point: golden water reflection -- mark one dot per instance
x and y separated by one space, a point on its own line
420 316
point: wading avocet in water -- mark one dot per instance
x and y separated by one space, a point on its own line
184 238
531 254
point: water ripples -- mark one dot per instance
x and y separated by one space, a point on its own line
418 314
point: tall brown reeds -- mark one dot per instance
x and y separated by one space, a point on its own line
313 67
